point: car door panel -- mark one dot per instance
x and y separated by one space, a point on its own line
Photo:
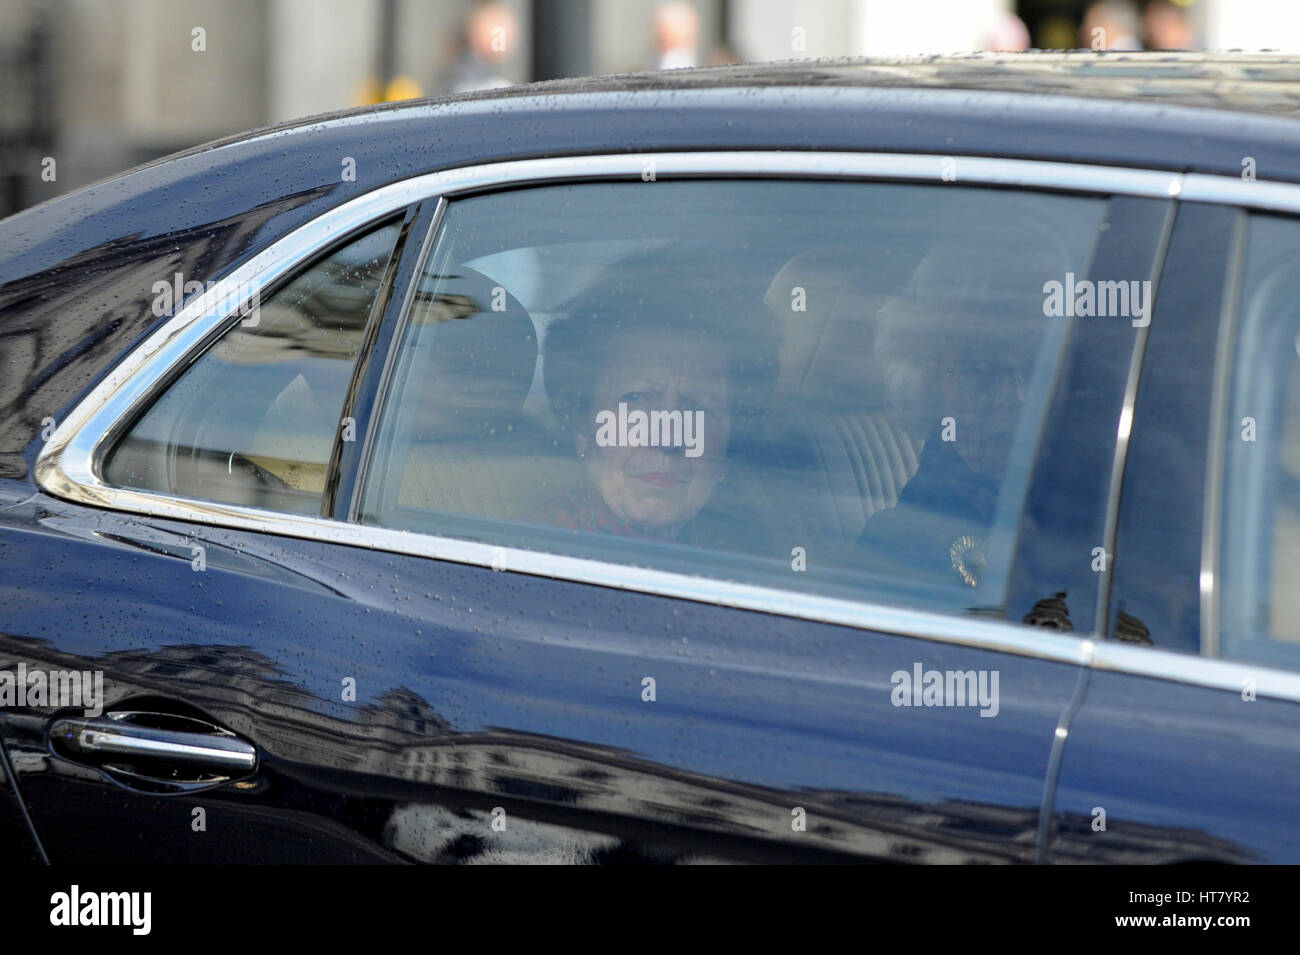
480 689
1176 773
1174 756
503 716
16 834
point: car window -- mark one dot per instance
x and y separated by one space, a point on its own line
833 387
252 420
1260 537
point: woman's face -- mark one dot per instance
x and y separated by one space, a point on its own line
678 389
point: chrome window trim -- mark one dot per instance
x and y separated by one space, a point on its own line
67 464
1216 447
1232 191
1212 673
1119 460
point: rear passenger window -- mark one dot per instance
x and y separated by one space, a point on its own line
830 387
253 420
1260 555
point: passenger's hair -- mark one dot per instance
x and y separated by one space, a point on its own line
961 301
695 306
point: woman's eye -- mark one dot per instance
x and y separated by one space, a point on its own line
632 397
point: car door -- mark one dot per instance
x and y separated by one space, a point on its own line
125 623
1183 748
20 845
433 630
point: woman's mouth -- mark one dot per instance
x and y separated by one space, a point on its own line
660 479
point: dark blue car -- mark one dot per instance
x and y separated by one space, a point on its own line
813 462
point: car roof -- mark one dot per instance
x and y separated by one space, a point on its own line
1184 112
1260 83
1248 82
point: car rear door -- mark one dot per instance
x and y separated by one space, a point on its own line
1183 748
432 679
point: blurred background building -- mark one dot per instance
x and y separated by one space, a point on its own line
98 86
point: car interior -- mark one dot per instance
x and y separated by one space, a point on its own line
477 446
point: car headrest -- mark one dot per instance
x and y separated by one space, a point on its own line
825 302
963 303
479 357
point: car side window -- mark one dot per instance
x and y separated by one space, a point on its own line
252 421
830 387
1260 537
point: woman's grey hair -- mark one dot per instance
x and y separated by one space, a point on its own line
707 313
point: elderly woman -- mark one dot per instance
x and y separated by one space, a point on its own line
656 385
959 344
